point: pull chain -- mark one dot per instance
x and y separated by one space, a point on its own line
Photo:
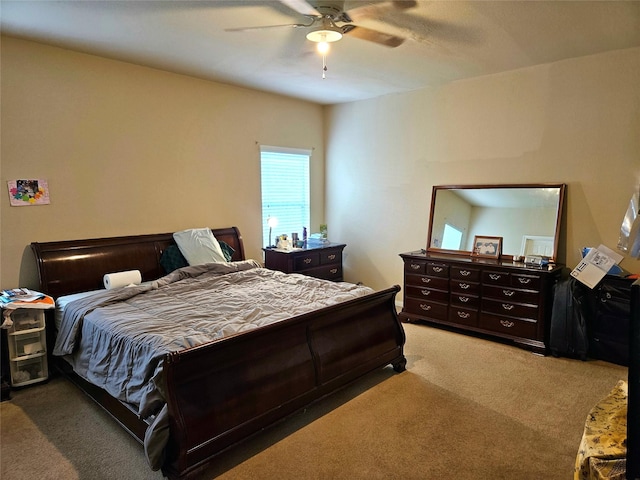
324 66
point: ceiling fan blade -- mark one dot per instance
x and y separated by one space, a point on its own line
301 6
264 27
375 10
404 4
372 35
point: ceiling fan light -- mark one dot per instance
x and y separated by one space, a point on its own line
323 48
325 34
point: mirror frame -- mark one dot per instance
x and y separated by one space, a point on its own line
556 238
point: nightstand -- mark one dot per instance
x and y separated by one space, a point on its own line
25 332
27 342
321 261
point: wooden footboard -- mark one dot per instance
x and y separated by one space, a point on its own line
216 397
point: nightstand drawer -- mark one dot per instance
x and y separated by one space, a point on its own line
327 272
308 260
331 256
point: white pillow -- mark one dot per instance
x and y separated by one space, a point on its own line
199 246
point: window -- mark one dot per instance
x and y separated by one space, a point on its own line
285 191
452 238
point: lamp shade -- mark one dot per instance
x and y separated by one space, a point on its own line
327 32
324 35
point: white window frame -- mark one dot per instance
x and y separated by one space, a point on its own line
292 208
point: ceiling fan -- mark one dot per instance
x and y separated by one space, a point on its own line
328 21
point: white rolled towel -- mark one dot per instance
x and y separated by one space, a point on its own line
122 279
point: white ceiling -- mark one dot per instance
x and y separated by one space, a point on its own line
445 40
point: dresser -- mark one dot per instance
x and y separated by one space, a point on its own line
502 299
320 261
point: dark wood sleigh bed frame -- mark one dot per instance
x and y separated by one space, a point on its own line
224 391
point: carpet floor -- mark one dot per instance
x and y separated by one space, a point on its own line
466 408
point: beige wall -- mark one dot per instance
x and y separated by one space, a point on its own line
575 122
131 150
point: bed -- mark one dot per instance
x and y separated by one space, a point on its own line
220 392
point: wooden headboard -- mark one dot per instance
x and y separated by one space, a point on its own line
74 266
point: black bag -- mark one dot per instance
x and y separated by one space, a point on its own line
568 330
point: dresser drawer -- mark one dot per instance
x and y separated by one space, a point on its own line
427 309
511 294
424 281
415 266
308 260
438 270
463 316
492 277
427 293
465 274
330 256
530 282
469 301
462 286
508 325
511 309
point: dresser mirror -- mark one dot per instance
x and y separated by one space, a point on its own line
526 216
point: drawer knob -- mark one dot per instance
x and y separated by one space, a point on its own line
464 314
465 273
524 280
307 261
507 323
507 306
438 269
426 280
495 276
508 293
464 286
425 307
415 266
334 270
426 293
463 299
332 256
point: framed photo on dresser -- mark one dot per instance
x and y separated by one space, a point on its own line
487 247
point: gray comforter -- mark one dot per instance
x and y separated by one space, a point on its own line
117 339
